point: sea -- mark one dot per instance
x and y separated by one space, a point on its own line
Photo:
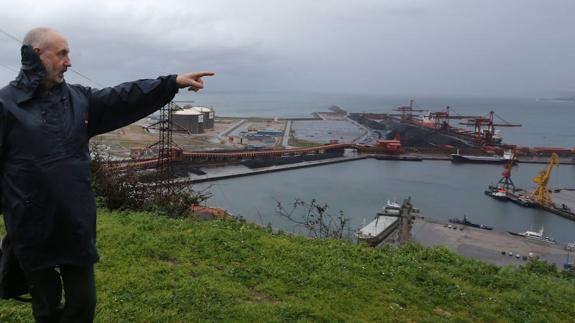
545 123
357 190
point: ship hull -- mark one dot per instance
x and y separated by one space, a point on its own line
470 224
456 158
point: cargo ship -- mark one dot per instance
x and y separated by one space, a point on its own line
385 222
493 159
469 223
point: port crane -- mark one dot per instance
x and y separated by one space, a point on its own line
407 111
541 195
505 182
485 128
441 118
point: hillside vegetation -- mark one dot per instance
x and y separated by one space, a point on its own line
159 269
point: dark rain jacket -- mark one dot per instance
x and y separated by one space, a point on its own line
47 201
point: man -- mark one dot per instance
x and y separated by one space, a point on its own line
48 205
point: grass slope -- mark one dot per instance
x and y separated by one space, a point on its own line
157 269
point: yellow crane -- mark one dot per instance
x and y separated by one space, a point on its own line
541 195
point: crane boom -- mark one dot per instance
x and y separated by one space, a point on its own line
541 195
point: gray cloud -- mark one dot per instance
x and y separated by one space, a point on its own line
414 47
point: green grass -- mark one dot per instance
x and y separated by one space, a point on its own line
157 269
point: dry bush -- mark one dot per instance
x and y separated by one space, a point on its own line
130 190
315 219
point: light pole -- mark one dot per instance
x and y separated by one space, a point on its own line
567 264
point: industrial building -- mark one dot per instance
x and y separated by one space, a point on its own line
207 112
188 120
208 116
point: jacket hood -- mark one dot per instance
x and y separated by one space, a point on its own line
31 73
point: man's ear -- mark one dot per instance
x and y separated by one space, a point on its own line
37 50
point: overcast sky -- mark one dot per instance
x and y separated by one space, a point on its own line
409 47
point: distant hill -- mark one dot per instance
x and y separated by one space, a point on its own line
562 98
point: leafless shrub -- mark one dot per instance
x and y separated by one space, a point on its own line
315 219
130 190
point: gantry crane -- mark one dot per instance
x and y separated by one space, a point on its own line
441 118
541 195
485 128
505 182
407 111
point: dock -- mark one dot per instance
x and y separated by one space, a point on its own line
564 200
238 170
489 246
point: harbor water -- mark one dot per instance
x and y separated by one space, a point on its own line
359 189
441 189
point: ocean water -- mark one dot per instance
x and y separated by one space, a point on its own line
359 189
544 123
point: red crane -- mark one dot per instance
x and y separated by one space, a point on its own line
441 118
505 185
407 111
485 128
505 182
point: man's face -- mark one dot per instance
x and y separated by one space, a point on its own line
54 56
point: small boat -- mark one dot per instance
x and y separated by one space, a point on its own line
497 193
523 201
390 209
536 236
469 223
493 159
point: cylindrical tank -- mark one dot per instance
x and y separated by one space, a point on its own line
189 120
208 116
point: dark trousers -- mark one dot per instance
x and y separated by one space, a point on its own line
79 289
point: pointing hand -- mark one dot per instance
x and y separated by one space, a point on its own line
193 81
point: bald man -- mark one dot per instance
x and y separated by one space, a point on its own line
48 204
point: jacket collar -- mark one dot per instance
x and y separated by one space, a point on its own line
31 75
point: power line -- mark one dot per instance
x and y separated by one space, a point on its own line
87 78
9 68
71 69
13 37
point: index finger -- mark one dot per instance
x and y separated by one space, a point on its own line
205 73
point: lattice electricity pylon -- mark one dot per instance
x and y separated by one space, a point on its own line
165 145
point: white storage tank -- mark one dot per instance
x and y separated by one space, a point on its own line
208 116
188 120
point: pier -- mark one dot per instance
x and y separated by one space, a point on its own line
564 200
499 248
238 170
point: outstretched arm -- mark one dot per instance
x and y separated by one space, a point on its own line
115 107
